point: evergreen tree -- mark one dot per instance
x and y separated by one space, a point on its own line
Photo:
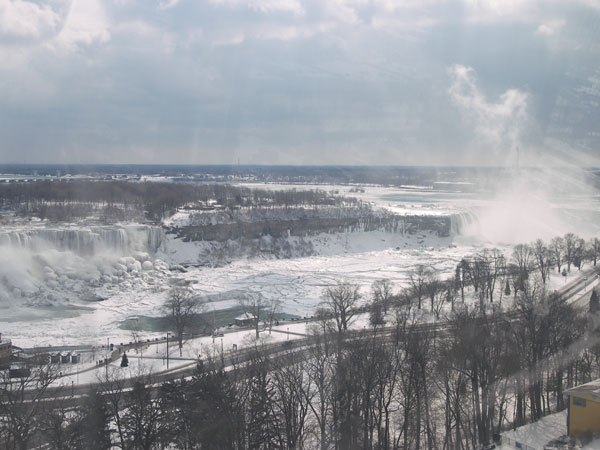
90 429
264 428
376 315
214 401
507 289
594 303
124 360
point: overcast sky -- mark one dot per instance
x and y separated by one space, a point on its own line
407 82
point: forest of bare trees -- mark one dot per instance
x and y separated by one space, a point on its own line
503 352
116 200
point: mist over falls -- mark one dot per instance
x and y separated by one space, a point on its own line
520 217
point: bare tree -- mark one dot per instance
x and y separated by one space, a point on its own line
522 256
494 267
320 371
570 241
431 288
294 392
382 293
274 308
21 404
543 258
256 307
112 386
181 306
557 247
143 419
459 279
580 253
594 249
417 282
444 294
341 300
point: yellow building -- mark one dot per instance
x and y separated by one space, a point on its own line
584 409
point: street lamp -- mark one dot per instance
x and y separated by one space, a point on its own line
222 355
109 356
167 349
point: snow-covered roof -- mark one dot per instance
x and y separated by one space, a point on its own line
589 391
246 316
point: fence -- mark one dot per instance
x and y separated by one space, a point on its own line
517 444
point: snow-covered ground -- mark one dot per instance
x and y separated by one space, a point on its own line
151 358
297 283
62 295
535 436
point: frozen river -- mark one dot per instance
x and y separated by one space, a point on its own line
68 299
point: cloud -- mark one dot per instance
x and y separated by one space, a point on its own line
550 28
595 4
495 10
26 20
167 4
85 24
295 80
345 11
495 125
265 6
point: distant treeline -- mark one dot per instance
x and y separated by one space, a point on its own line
310 226
56 200
393 175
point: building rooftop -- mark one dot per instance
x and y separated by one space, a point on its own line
246 316
590 391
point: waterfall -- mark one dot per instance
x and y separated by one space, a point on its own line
87 241
464 223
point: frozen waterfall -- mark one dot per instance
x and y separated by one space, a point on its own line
87 241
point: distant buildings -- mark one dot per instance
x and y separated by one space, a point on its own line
583 418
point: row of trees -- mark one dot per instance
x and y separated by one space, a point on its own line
155 200
408 386
490 276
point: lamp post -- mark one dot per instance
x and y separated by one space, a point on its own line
222 355
167 349
109 356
